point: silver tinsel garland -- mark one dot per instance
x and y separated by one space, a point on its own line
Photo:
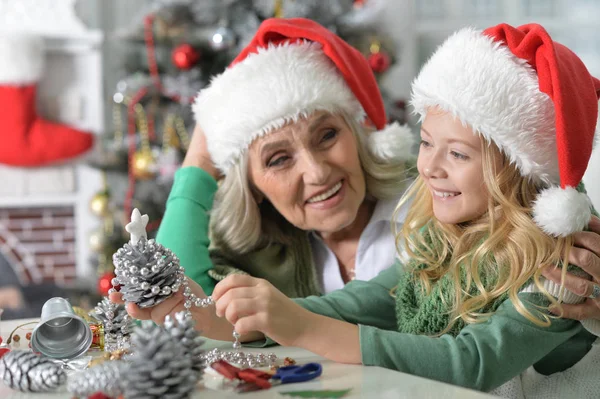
159 367
105 378
27 372
147 272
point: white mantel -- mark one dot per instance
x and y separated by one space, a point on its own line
70 92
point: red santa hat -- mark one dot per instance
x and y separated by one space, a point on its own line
533 98
290 69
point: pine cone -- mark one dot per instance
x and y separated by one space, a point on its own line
148 272
158 367
27 372
105 378
182 330
117 322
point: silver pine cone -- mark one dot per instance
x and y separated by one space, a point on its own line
27 372
181 328
147 272
117 322
105 378
158 367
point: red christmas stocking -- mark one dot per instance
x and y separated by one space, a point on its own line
27 139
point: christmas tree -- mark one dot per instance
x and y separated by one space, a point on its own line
169 52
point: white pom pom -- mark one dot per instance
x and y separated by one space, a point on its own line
394 142
562 212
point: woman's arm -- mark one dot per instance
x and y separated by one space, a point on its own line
185 224
184 227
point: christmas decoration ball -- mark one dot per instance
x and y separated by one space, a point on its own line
380 61
143 165
222 39
98 241
105 283
185 56
99 203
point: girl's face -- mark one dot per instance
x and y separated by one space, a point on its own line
311 173
450 163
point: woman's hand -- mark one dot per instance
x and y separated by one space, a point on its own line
206 320
197 155
253 304
586 255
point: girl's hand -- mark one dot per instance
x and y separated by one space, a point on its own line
206 320
198 155
586 255
253 304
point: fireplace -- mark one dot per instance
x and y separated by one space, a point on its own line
39 242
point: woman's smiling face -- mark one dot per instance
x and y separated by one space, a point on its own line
311 173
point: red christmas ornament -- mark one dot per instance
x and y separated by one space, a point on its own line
3 351
99 395
105 283
185 56
379 61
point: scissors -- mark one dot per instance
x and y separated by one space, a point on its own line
284 375
291 374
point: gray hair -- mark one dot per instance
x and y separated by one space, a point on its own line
241 224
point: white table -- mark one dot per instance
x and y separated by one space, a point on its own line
366 382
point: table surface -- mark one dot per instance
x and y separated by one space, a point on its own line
365 382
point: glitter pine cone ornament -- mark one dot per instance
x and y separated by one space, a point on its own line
118 325
181 328
147 272
159 367
105 378
28 372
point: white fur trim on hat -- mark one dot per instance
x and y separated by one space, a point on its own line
560 212
394 142
266 90
497 94
21 58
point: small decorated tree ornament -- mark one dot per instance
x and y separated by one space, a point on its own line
181 328
379 61
147 272
118 325
158 367
143 164
185 56
105 378
105 283
28 372
99 204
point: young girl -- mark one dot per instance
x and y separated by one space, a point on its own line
509 118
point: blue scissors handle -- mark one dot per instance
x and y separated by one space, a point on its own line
291 374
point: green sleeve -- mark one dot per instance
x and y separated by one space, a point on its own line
365 302
483 356
185 224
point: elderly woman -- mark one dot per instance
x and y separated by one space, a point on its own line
308 191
